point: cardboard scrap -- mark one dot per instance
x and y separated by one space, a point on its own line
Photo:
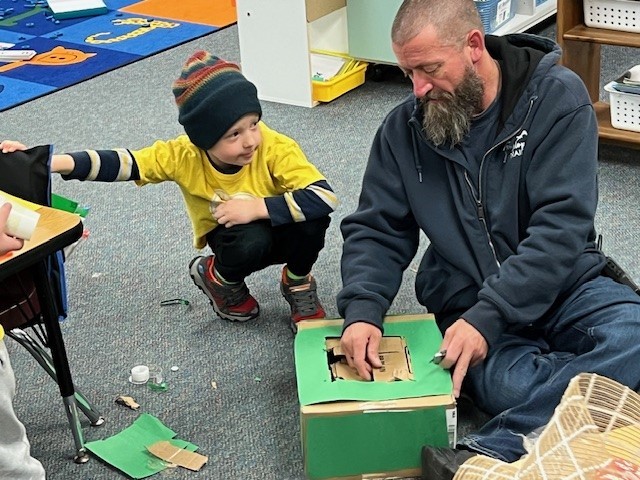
170 453
393 353
127 450
127 402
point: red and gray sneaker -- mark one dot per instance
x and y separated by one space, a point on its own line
302 297
230 302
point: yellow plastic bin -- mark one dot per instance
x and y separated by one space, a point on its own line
349 77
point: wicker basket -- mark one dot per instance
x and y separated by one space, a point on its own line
593 434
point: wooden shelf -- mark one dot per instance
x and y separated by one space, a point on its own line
609 134
581 52
583 33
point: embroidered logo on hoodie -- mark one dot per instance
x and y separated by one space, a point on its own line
519 144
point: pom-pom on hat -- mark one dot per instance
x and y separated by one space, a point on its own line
212 95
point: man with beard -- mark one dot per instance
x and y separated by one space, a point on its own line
494 158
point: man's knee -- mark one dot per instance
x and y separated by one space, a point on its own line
510 374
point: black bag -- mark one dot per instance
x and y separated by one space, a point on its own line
27 175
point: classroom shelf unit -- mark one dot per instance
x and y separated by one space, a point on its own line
582 54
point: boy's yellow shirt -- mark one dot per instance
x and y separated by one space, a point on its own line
279 165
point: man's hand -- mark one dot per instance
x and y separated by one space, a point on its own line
360 342
9 146
7 243
240 211
466 347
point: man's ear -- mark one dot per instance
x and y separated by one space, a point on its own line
475 42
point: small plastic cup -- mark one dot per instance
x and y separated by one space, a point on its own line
139 375
155 374
22 221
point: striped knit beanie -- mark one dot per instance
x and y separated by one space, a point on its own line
212 95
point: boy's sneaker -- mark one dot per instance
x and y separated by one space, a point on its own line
302 297
230 302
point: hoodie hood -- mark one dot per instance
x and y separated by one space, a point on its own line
519 55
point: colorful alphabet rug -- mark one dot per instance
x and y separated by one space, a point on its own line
71 50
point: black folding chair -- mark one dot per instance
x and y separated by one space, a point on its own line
33 289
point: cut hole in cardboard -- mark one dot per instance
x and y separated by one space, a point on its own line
393 353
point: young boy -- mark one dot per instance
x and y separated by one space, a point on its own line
250 192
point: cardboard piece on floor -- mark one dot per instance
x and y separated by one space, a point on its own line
170 453
127 401
127 450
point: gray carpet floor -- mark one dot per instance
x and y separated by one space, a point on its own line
139 249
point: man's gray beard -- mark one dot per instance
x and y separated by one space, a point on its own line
449 119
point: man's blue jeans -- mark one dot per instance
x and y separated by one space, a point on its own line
521 382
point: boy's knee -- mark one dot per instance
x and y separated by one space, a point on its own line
246 252
314 228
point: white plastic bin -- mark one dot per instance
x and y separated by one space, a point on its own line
625 109
623 15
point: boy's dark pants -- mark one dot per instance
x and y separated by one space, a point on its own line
244 249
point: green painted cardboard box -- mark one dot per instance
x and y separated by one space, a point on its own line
353 429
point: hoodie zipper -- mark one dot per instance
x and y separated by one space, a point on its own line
477 197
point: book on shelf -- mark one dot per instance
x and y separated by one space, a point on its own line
626 88
626 84
76 8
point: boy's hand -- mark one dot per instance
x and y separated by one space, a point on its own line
8 146
240 211
59 163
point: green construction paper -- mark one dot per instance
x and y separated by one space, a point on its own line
127 450
63 203
314 378
397 437
66 204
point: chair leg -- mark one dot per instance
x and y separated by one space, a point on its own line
45 361
58 352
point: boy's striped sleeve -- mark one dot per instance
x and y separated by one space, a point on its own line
315 201
117 165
